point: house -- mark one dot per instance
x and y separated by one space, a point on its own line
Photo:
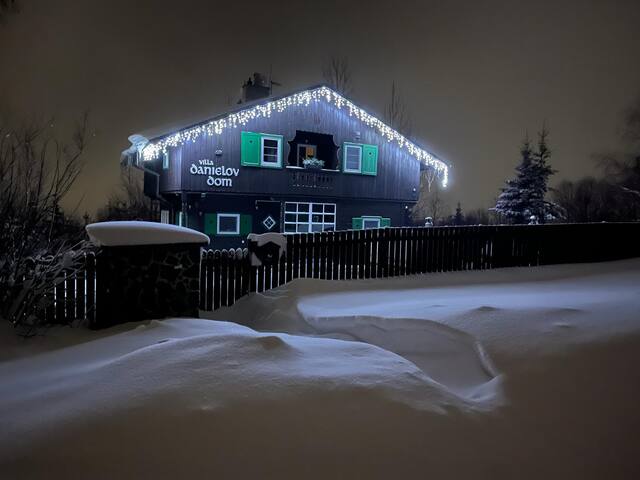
308 161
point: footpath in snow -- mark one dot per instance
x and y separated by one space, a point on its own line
515 373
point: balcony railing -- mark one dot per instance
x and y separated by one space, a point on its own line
304 178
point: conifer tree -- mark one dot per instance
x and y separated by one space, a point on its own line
523 198
458 218
542 170
514 203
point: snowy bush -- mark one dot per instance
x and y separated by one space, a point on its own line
30 289
36 172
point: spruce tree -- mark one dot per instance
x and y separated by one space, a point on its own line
515 201
539 207
458 218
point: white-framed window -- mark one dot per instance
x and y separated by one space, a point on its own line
164 216
370 222
303 217
270 151
352 158
228 224
165 160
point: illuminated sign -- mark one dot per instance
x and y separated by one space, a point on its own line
217 175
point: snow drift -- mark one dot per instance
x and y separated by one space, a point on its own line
521 373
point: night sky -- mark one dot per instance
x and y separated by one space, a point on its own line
476 75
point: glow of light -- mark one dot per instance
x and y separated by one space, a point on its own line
233 120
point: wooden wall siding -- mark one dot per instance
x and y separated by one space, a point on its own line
391 252
398 172
171 179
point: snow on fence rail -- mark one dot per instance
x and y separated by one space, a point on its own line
227 275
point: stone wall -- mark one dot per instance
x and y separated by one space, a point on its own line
146 281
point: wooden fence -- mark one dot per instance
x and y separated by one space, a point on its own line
227 275
358 254
72 296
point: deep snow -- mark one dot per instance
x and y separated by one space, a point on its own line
515 373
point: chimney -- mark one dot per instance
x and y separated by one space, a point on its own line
255 88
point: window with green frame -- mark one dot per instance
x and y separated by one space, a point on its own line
227 224
369 221
360 158
261 150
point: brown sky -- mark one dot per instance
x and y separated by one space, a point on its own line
476 74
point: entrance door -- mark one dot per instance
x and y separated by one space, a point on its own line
267 216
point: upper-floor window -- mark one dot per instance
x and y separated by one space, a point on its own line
260 150
352 158
306 151
312 145
271 151
360 158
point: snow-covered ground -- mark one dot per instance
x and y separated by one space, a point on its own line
505 374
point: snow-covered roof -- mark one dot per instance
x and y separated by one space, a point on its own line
123 233
266 107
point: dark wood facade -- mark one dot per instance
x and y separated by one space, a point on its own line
183 187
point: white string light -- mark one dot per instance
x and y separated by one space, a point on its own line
233 120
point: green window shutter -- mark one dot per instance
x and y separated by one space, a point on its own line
210 223
245 225
385 222
369 159
250 149
356 223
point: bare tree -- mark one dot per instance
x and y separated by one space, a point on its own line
631 128
8 7
622 168
429 175
337 73
430 203
36 172
396 113
129 202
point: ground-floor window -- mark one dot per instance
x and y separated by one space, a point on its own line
303 217
370 222
164 216
228 224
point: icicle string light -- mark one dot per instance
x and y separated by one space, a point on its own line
233 120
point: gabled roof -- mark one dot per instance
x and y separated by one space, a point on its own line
274 105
